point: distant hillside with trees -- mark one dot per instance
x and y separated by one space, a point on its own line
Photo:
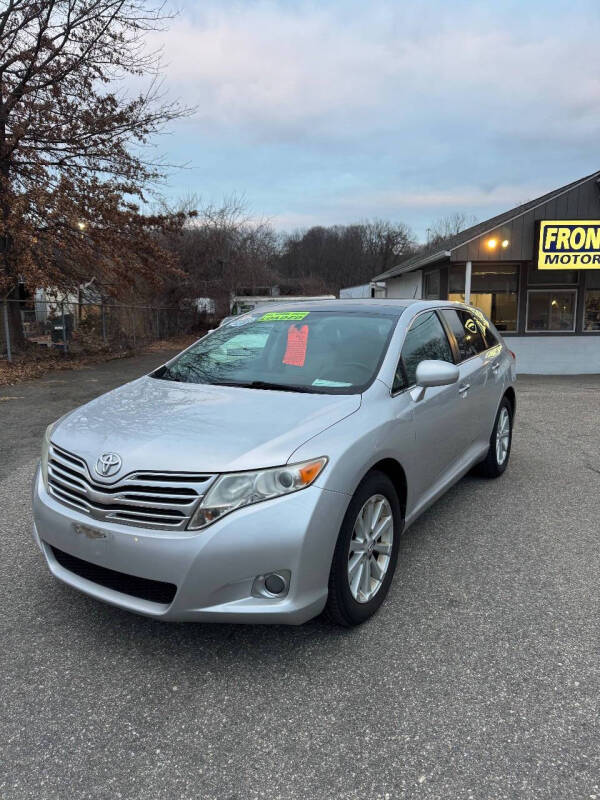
224 248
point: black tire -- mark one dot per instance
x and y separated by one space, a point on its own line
490 467
342 608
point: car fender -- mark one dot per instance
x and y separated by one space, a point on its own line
354 445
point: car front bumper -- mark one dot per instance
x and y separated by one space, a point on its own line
213 570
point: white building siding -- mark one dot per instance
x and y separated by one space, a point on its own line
556 355
408 286
356 292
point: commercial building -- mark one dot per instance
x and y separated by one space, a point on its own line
534 270
362 292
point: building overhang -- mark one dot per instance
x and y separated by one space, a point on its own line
431 258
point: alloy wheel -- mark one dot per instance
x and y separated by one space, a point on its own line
370 548
502 436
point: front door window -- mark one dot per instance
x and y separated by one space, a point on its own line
426 339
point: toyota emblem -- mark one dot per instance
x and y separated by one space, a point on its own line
108 464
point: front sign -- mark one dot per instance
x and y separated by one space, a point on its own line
569 244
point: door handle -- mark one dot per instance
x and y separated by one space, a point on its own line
464 388
496 367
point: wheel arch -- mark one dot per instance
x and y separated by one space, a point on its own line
395 472
512 399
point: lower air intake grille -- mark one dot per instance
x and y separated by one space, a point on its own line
145 589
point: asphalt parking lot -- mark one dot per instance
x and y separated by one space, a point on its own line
479 678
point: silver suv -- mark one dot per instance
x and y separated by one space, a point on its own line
267 472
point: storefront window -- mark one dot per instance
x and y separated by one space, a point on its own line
431 288
591 314
549 310
494 289
591 306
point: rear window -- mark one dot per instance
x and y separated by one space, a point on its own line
335 352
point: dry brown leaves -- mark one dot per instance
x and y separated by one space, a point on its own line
33 364
176 343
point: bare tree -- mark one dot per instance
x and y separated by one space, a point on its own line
450 225
344 255
388 242
73 170
224 248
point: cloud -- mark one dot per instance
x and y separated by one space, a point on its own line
456 197
270 68
341 69
394 203
342 108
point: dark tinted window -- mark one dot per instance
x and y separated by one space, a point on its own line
426 339
467 331
489 337
551 310
552 276
592 279
432 285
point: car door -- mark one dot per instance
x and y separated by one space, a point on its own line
473 383
497 366
438 417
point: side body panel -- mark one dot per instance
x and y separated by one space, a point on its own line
435 441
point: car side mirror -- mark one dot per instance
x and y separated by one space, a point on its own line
433 373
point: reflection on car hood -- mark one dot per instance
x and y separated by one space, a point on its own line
161 425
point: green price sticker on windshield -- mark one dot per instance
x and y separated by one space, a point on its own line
283 316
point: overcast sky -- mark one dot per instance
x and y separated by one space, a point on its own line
335 111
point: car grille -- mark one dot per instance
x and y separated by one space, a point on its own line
144 588
146 499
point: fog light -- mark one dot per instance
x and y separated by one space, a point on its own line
274 583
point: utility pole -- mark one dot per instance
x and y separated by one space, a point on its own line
7 331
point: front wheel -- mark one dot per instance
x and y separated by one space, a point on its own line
366 552
497 457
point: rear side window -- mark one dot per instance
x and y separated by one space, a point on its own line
426 339
467 332
486 331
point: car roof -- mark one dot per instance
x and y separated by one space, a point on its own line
372 305
383 306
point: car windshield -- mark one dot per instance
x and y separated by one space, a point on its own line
336 352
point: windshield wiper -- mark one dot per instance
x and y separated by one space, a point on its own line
166 375
280 387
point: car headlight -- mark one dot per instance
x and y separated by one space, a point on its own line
237 489
45 449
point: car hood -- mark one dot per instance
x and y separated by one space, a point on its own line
154 424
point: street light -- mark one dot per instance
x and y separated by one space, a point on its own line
82 226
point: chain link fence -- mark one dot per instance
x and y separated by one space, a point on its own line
74 327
